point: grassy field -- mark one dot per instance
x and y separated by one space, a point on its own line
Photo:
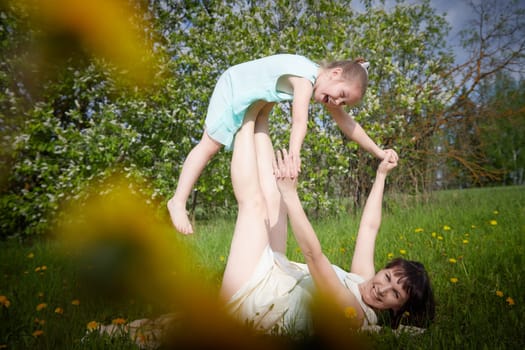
471 241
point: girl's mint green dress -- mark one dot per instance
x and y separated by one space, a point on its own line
242 85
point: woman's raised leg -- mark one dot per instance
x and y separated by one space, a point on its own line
250 236
265 154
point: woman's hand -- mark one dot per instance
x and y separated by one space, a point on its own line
284 166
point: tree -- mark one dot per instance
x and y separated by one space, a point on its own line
475 119
408 90
501 131
84 125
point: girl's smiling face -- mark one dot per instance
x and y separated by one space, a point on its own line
331 90
384 291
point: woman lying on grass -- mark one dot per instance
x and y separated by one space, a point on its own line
263 288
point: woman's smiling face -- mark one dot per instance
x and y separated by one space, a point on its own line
384 291
331 90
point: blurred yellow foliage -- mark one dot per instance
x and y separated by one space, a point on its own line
120 248
102 28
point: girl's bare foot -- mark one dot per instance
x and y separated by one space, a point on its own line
179 218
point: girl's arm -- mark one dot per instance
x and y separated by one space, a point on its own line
354 131
302 93
363 259
322 271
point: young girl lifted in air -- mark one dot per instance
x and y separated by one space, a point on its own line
256 86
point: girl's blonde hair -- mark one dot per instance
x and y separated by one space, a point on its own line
352 71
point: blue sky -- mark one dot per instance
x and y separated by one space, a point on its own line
458 14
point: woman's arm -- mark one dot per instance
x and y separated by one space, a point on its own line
322 271
363 259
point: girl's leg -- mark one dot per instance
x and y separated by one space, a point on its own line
191 170
250 236
265 154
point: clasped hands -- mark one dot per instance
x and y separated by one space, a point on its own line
389 162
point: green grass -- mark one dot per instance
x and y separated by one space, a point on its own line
482 230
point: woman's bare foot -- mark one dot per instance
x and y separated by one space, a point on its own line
179 218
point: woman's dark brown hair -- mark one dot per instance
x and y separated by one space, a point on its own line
419 310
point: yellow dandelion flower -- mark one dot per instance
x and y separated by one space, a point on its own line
495 212
222 258
390 255
453 280
434 234
30 255
4 301
350 312
510 301
38 268
499 293
465 241
446 228
91 326
59 311
473 226
493 222
38 333
75 302
440 238
418 230
119 321
41 306
452 260
342 250
402 251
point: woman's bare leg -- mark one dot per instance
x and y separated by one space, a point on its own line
250 236
265 154
193 166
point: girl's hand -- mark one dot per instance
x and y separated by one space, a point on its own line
296 164
284 170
